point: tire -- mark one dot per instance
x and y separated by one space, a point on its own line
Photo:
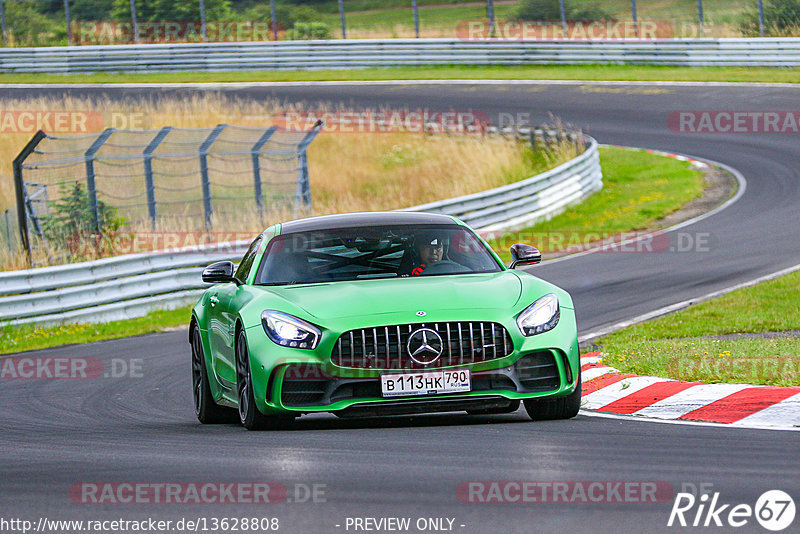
558 408
249 416
207 411
513 407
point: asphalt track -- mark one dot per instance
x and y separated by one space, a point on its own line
142 429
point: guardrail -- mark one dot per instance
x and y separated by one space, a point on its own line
132 285
360 53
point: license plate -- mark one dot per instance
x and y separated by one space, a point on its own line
425 383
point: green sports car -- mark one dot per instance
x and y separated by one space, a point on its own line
380 313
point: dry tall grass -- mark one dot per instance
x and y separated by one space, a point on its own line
349 171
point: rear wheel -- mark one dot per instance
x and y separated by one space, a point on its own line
249 416
206 410
558 408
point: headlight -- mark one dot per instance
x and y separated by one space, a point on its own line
540 316
289 331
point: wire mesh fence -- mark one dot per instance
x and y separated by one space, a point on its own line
77 190
93 22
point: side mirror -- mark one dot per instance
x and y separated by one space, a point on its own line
222 271
524 255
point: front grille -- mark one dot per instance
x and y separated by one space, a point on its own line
385 347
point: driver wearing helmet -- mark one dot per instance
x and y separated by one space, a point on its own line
429 248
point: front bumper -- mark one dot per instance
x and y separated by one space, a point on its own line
304 388
295 381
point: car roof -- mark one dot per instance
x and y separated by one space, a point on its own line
370 218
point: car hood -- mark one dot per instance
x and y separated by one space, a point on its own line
435 293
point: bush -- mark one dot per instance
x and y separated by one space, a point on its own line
71 224
303 14
551 10
27 26
309 30
781 19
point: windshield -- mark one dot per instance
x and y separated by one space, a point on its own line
342 254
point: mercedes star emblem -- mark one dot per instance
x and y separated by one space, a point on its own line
425 346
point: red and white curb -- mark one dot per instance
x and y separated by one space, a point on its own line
606 389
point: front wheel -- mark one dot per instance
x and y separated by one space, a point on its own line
558 408
206 410
249 416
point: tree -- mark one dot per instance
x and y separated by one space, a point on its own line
72 222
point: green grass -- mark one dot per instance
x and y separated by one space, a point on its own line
770 362
534 72
670 346
638 189
30 337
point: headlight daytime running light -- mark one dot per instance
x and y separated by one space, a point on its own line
289 331
539 317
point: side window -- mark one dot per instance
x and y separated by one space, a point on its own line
247 260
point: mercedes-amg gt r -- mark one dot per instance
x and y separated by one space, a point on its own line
380 313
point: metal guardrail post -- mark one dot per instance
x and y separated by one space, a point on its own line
135 22
341 16
273 21
91 186
203 20
3 22
207 206
259 194
69 22
19 186
700 16
490 16
416 17
148 173
303 194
